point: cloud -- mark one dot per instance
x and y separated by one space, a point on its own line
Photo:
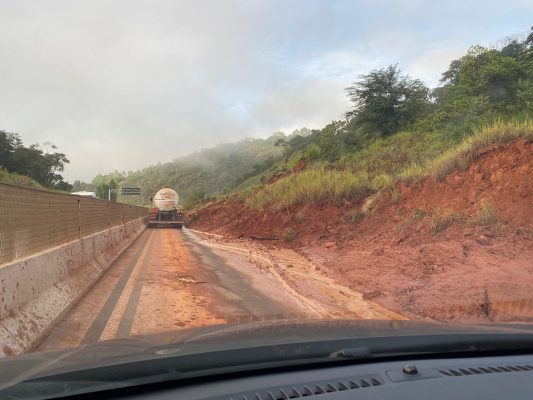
124 84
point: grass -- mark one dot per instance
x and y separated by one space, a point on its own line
354 216
439 220
300 217
487 215
405 157
288 235
393 154
19 180
312 185
413 173
460 157
417 215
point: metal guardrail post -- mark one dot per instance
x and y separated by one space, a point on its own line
79 219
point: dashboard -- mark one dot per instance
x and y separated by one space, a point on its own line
452 378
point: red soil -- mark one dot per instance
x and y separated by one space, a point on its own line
297 168
397 256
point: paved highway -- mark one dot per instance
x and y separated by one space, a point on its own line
167 280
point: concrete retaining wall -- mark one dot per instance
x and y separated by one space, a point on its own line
36 290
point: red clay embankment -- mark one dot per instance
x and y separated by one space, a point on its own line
460 249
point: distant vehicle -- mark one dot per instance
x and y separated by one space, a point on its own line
166 209
85 194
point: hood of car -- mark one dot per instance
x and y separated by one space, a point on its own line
228 336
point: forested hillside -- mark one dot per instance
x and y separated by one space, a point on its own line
400 130
201 174
396 130
420 199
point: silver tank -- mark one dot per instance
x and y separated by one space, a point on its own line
166 199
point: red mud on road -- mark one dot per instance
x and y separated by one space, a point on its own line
425 253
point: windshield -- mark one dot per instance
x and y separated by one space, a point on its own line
258 173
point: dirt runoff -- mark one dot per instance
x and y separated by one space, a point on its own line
427 252
300 281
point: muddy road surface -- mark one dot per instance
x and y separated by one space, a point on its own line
170 279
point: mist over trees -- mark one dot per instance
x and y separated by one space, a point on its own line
206 172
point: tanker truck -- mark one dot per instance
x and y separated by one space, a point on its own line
165 210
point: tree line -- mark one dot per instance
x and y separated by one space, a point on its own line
40 162
483 85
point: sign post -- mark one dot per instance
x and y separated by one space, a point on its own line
128 191
109 191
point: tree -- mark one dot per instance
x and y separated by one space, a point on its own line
483 81
102 190
385 101
39 162
9 142
79 186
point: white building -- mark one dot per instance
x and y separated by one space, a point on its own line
85 194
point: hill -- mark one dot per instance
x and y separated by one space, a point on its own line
397 130
420 199
449 246
199 175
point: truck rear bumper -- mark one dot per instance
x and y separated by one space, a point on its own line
177 224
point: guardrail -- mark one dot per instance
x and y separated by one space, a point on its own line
34 220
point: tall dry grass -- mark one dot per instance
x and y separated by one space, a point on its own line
321 183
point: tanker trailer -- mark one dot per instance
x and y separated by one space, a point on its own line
166 210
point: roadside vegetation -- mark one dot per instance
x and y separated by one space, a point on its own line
460 156
487 214
397 130
18 180
37 166
400 131
407 157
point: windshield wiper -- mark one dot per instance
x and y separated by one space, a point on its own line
438 344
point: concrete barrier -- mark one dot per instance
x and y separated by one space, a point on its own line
35 291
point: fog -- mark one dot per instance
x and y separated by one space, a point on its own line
124 84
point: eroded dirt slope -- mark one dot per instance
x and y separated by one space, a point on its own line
460 249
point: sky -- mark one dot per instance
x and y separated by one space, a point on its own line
120 85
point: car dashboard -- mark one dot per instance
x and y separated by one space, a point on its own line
451 378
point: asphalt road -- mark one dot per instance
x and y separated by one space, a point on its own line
167 280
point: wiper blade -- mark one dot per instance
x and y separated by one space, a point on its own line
439 344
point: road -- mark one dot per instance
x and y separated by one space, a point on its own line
164 281
170 279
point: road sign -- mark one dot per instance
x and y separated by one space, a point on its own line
131 191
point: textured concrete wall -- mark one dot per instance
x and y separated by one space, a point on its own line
32 220
36 290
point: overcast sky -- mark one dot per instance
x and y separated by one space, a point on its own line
119 85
